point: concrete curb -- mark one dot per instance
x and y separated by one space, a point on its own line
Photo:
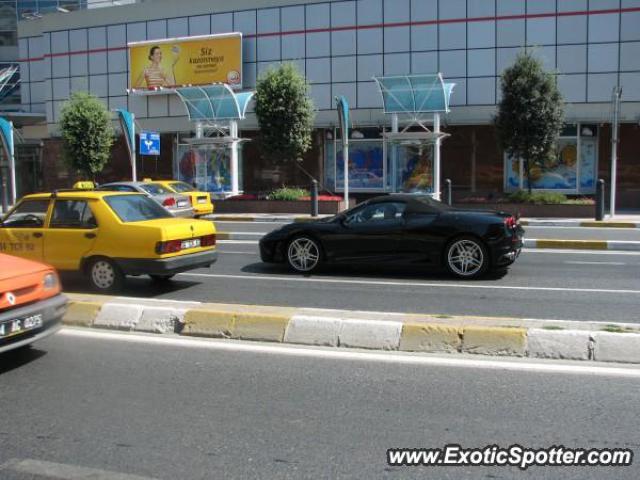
370 330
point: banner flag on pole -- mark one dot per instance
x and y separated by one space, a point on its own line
6 135
129 129
343 119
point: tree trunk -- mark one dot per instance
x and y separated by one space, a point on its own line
527 170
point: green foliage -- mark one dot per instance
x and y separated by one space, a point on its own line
530 115
285 113
286 193
538 198
87 134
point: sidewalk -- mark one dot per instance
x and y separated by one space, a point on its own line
422 333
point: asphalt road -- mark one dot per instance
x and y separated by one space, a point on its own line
541 284
194 410
569 233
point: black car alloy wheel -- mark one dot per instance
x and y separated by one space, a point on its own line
303 254
467 257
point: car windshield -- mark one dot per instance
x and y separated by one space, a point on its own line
182 187
135 208
155 189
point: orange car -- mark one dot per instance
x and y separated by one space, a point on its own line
31 305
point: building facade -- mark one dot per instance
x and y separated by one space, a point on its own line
591 45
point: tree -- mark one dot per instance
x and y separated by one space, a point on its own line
87 134
530 115
285 113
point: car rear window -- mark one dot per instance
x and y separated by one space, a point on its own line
155 189
135 208
182 187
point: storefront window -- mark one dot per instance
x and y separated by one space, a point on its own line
415 168
576 157
366 165
209 169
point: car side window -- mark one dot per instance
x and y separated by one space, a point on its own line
29 214
72 214
378 212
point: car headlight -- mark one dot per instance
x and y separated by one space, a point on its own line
50 281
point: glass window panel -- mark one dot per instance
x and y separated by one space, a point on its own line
453 35
397 39
366 165
397 11
572 58
369 12
482 34
482 62
370 40
572 29
603 58
424 37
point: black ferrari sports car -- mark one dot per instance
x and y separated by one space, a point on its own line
400 228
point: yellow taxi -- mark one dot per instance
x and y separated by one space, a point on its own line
106 235
200 201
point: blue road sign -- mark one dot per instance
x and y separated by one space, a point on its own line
149 143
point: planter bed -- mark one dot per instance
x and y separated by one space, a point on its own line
530 210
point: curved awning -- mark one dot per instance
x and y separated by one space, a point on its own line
214 102
411 94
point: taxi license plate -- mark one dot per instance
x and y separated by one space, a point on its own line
190 244
182 203
202 200
20 325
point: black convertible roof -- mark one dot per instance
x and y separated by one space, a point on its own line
416 203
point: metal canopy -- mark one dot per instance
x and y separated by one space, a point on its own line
412 94
214 102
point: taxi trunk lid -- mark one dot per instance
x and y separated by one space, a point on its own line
181 228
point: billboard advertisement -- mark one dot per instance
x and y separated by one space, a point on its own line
177 62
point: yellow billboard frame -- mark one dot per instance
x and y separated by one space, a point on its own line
184 61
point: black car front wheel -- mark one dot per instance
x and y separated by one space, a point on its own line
303 254
467 257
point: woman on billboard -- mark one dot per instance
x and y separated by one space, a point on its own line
154 75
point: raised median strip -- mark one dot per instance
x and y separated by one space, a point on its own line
515 337
549 243
578 223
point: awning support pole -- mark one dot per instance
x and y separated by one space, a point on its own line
436 157
233 133
394 153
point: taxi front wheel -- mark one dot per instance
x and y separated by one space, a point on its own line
105 276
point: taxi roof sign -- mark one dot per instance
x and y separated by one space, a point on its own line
84 185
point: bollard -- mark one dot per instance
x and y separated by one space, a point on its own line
600 200
447 191
314 198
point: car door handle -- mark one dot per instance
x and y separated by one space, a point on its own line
37 235
90 235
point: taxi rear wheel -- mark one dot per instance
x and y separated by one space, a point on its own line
104 275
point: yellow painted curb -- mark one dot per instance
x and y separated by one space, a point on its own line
494 340
573 244
305 219
223 235
428 337
268 328
608 224
81 313
524 223
208 323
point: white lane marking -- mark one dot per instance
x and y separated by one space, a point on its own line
261 224
590 229
272 278
575 262
579 252
52 470
241 242
339 354
238 253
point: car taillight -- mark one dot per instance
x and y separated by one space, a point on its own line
510 222
170 246
208 240
169 202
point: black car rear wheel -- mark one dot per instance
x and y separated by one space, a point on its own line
467 257
303 254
